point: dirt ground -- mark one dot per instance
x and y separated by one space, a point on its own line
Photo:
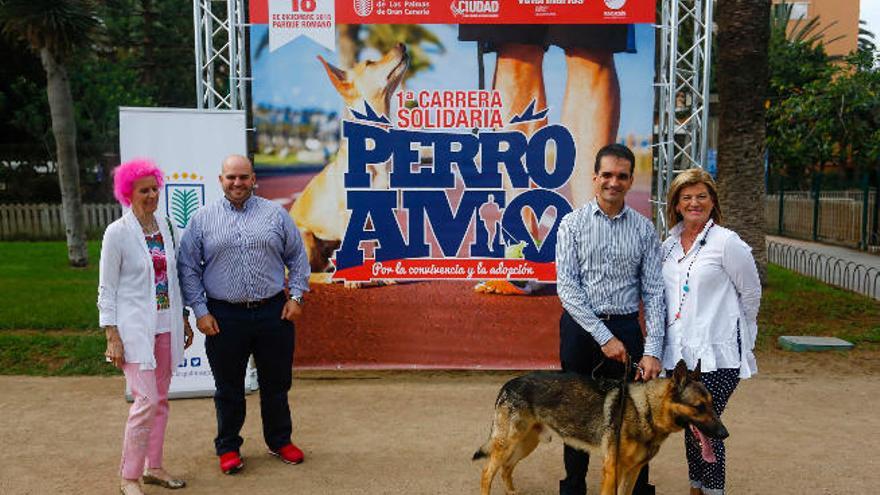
805 424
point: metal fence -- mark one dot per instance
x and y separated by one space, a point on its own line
834 217
45 221
829 269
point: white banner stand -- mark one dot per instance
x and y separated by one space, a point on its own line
188 145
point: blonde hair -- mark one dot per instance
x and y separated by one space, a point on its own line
687 178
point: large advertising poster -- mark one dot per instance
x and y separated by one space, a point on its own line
427 150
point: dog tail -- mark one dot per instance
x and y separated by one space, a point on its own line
482 452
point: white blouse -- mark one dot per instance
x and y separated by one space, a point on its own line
720 303
127 290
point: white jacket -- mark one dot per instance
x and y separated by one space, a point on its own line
722 301
127 290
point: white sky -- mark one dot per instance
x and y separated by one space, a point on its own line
869 10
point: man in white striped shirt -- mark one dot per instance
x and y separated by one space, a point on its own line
607 262
232 263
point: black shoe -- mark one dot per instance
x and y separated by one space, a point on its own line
647 489
567 489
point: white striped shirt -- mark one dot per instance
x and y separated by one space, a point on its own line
607 265
240 255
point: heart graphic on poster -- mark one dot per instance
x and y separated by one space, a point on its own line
546 222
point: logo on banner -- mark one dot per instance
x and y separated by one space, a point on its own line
458 220
182 199
475 8
193 362
615 12
363 8
290 19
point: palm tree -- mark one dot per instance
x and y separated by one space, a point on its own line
743 36
867 41
800 30
54 30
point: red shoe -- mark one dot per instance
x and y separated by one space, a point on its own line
231 463
290 454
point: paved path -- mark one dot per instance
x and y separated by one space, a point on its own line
858 271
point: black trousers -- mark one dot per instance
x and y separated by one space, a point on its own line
259 331
580 353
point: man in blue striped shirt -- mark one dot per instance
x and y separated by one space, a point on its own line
607 261
232 264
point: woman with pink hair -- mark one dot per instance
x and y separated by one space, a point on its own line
146 325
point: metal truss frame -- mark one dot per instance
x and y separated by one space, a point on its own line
221 58
682 79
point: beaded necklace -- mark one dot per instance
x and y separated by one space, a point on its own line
686 288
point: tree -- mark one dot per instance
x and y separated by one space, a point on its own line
795 58
795 67
867 39
822 110
153 38
142 56
797 62
799 30
867 45
743 38
55 30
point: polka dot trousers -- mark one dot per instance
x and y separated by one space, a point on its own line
710 477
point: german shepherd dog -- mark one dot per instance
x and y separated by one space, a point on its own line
586 415
319 212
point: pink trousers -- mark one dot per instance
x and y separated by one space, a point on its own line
148 415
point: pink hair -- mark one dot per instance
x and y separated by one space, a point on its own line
126 174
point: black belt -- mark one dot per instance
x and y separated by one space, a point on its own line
249 304
609 317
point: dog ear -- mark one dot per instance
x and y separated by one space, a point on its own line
695 375
338 77
680 374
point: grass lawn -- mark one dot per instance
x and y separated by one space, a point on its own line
274 160
41 296
40 291
48 322
796 305
53 352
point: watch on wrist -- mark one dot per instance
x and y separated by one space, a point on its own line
298 299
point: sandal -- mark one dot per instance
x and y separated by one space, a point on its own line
170 483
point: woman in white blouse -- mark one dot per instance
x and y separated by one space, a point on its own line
712 297
140 309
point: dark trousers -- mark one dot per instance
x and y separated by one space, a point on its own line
721 383
579 353
259 331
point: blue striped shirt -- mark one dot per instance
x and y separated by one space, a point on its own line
606 265
240 255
